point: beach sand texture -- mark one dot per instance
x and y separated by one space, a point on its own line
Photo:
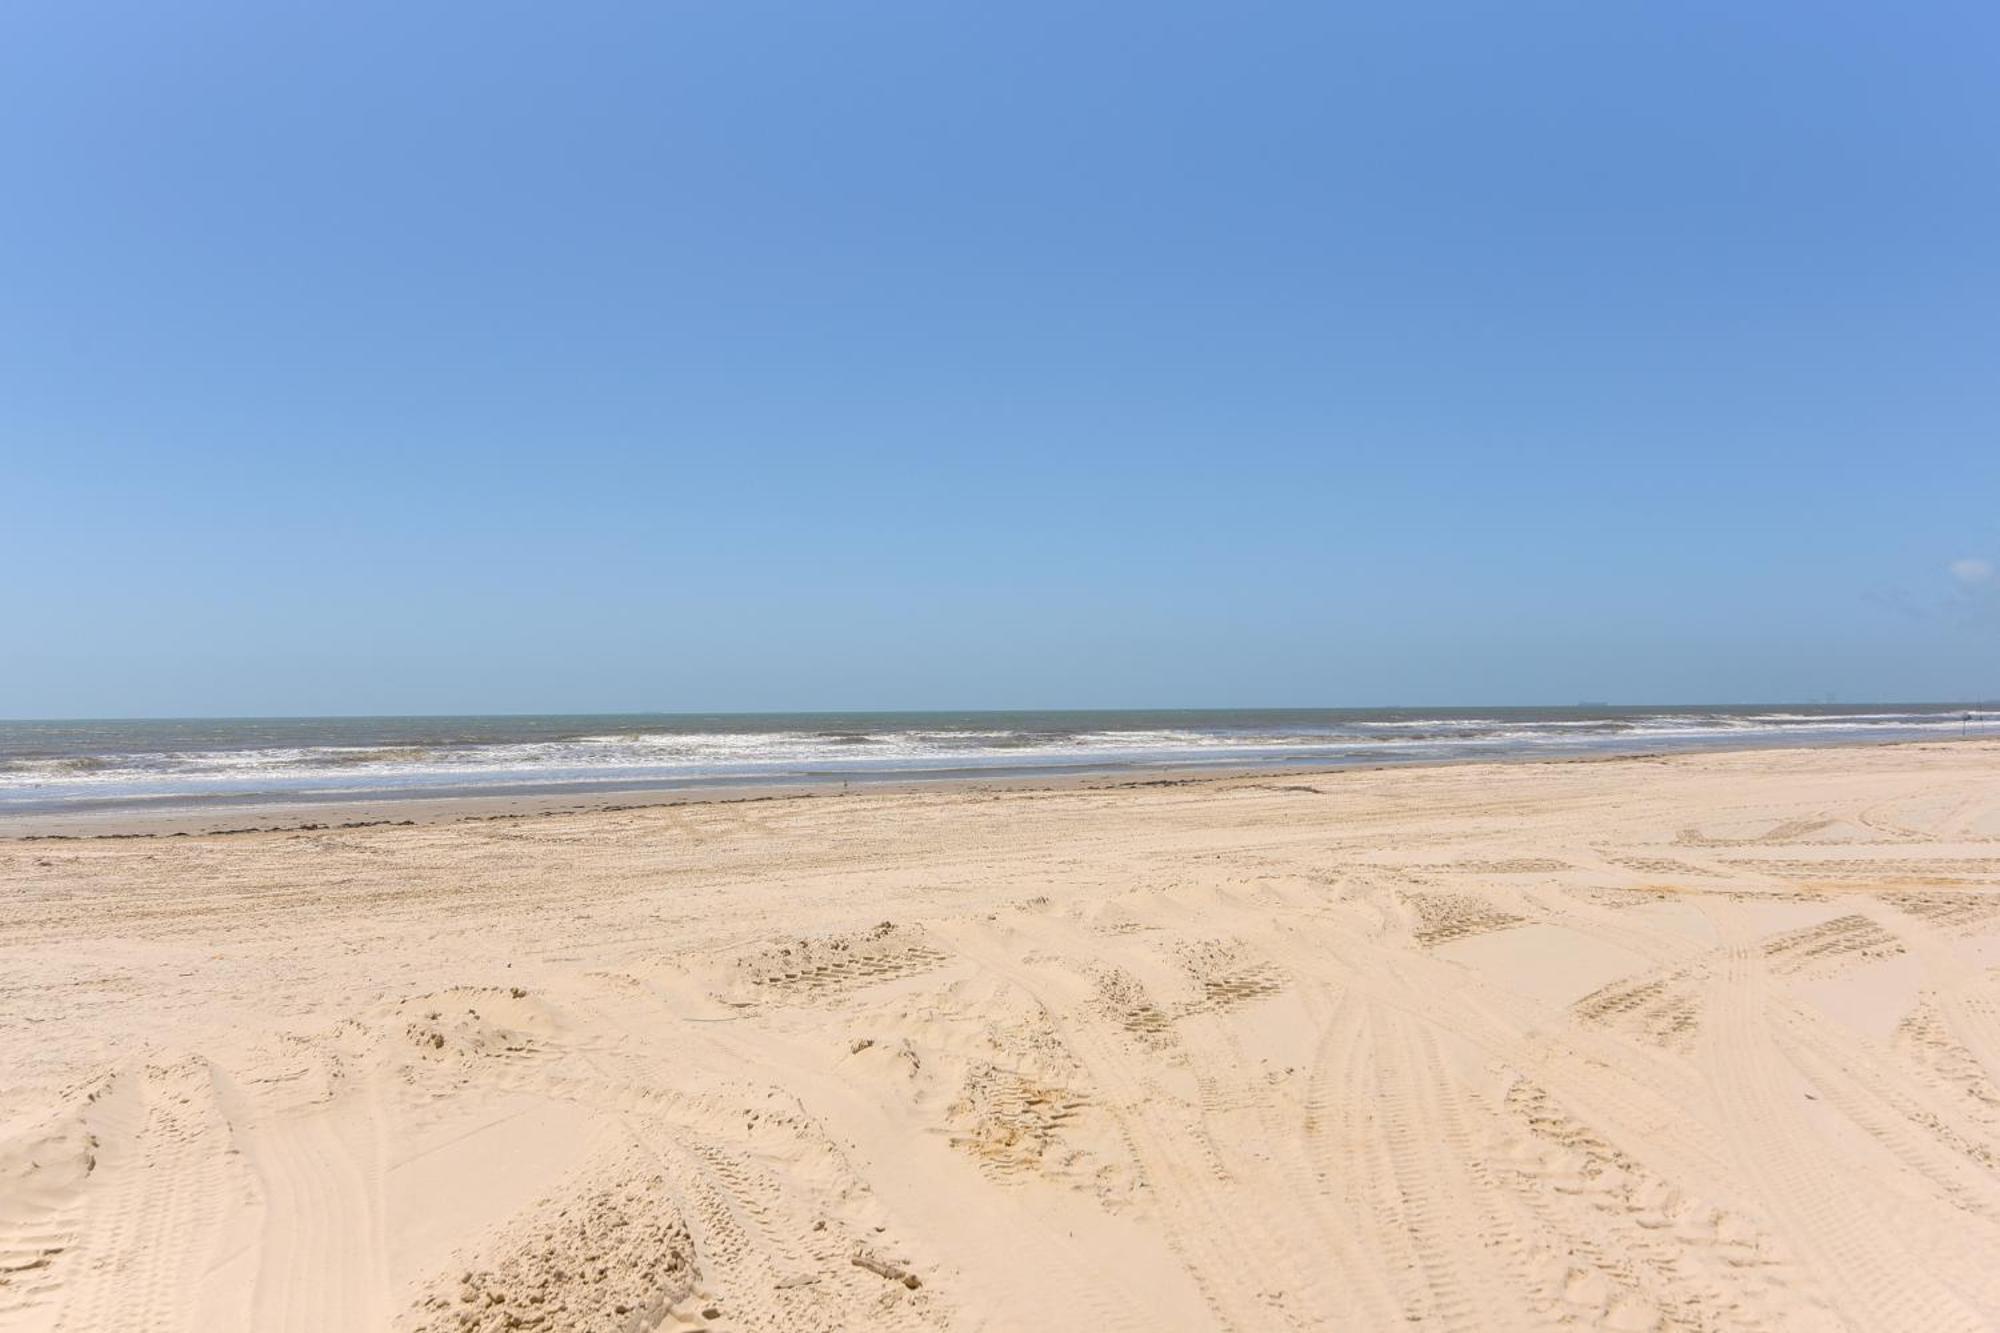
1708 1042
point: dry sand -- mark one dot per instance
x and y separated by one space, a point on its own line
1706 1042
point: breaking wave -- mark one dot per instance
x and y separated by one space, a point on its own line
51 764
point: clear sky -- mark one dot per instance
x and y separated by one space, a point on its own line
700 355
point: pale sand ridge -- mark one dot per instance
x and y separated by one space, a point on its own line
1709 1042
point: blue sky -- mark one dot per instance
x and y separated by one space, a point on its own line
392 358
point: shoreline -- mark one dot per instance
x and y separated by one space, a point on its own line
375 811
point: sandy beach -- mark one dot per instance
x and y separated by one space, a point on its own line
1709 1041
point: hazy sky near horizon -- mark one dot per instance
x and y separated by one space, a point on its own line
452 358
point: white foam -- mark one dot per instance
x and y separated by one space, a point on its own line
671 756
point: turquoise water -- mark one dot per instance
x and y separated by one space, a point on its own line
62 765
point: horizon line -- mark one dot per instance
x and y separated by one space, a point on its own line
1985 704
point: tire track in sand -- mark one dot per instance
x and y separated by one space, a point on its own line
1246 1279
323 1252
1860 1263
155 1214
1429 1190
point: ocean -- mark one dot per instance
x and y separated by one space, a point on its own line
55 766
